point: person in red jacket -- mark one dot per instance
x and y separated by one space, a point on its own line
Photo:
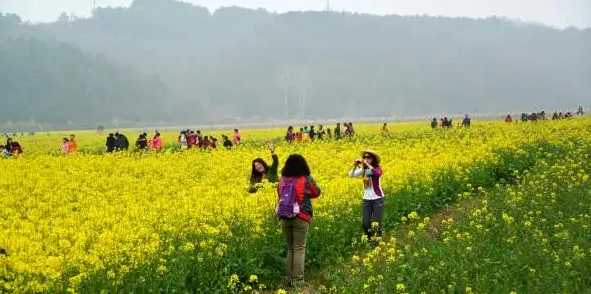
295 230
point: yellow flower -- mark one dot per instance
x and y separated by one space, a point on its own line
400 287
253 279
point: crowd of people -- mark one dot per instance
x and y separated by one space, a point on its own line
189 139
306 133
295 186
541 116
295 190
69 145
445 122
12 148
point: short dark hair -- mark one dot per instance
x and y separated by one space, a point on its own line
295 166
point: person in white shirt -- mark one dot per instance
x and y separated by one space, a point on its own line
368 168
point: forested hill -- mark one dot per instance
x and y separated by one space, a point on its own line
245 63
52 82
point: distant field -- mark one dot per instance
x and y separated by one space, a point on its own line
183 222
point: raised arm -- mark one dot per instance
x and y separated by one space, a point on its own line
355 171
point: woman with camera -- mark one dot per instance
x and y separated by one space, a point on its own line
368 168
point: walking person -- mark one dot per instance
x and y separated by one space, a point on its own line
368 168
157 142
142 142
294 209
111 143
337 132
122 143
237 138
351 129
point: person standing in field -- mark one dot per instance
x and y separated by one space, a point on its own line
157 142
122 142
260 170
111 143
384 128
72 145
347 129
237 138
191 140
337 131
312 133
329 133
65 145
351 129
320 133
295 191
227 143
368 168
205 143
183 140
508 119
305 134
434 123
142 142
466 122
289 135
4 152
299 135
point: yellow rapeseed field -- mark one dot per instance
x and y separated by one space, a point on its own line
185 222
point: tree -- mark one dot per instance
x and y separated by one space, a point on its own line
245 63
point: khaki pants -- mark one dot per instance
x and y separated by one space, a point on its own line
295 232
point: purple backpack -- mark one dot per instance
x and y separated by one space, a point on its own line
288 207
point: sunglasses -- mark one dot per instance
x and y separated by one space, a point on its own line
367 157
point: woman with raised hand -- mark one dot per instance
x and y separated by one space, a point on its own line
294 209
368 168
260 170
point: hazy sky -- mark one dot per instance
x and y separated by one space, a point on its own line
559 13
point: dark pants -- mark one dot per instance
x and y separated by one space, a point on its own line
373 211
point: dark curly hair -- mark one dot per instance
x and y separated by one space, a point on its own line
295 166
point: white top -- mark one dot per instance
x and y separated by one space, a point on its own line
368 192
